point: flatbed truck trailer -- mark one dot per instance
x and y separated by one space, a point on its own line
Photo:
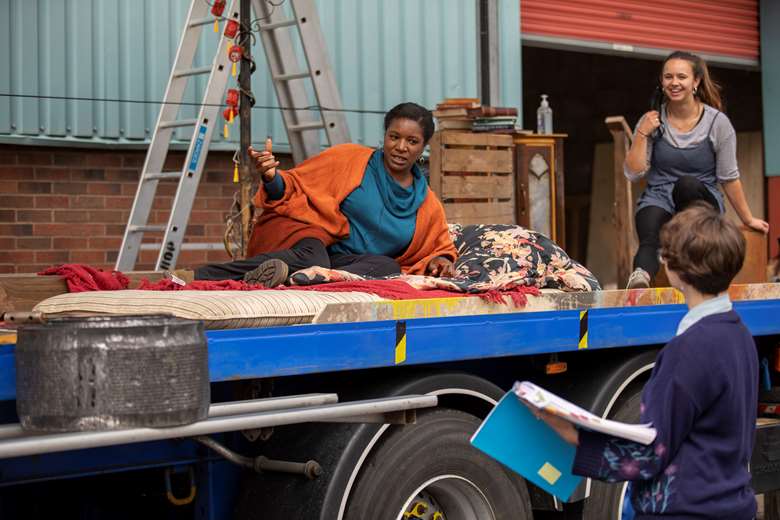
311 442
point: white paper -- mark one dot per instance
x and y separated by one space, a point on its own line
542 399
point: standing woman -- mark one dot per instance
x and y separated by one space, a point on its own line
685 150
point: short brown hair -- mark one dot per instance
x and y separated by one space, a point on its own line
703 248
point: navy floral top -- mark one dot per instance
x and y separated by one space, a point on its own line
701 398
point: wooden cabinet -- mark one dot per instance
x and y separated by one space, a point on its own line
539 179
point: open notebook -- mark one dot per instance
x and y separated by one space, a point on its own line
512 435
542 399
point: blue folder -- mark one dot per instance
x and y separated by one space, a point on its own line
512 435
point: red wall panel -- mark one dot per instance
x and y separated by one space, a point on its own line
773 205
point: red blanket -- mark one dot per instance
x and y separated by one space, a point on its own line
82 278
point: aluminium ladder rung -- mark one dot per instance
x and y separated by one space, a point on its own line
188 246
291 76
162 176
192 72
146 228
301 127
277 25
177 123
202 21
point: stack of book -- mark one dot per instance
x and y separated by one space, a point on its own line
469 114
496 120
453 113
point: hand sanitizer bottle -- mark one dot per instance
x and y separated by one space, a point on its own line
544 124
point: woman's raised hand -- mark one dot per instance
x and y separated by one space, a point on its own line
265 162
650 121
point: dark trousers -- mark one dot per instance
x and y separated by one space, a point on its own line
650 219
308 252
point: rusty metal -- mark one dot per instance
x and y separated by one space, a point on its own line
22 318
111 372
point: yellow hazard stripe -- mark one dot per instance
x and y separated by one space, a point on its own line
400 351
583 330
400 342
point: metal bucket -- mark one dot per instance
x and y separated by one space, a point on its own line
111 372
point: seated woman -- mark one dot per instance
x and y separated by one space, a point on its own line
685 150
368 212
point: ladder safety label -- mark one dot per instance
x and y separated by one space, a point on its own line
198 148
583 330
400 342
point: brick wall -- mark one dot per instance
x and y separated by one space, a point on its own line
71 205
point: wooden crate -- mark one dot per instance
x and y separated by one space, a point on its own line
473 175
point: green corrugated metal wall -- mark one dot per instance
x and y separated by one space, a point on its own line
770 79
383 52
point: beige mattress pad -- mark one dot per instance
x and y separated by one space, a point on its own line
217 309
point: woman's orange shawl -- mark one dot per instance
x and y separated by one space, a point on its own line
309 208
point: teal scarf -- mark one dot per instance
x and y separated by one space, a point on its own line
400 202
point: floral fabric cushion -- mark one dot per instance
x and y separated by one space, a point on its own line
501 256
491 257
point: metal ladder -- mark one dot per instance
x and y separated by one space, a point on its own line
167 121
290 77
303 126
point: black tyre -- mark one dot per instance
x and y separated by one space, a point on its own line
431 466
343 449
606 500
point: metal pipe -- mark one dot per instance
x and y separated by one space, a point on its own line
221 410
309 469
271 403
235 458
49 443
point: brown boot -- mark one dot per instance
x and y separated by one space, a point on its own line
269 274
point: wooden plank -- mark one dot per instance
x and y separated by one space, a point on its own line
754 270
483 212
458 160
504 219
626 241
478 186
750 159
476 139
21 292
434 163
601 231
560 198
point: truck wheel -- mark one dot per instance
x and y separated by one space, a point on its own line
606 500
430 467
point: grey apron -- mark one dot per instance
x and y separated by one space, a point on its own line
669 164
